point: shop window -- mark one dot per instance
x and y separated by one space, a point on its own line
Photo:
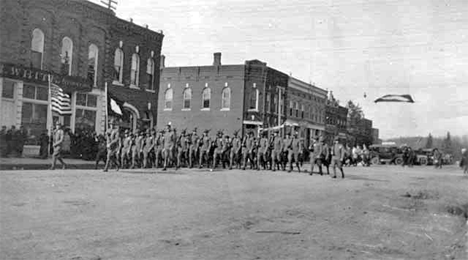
85 120
93 52
118 65
206 97
33 92
34 119
135 73
168 96
37 48
187 96
226 98
8 90
86 100
67 55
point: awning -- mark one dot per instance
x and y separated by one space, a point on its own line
290 122
317 127
272 128
246 122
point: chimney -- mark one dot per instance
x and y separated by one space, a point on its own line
217 59
162 62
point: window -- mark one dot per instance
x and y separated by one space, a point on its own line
297 109
34 111
67 56
226 99
275 104
302 111
254 98
118 65
8 90
150 73
86 100
37 48
187 98
93 63
206 96
267 103
85 120
134 76
282 112
291 104
168 96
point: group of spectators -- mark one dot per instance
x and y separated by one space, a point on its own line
12 141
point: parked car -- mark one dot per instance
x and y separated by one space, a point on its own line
384 153
424 157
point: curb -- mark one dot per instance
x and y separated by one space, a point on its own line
12 167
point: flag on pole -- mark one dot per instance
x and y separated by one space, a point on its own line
395 98
60 101
115 106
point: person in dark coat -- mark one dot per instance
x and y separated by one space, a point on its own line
3 142
102 150
10 140
44 142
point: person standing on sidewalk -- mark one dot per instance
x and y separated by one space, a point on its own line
113 141
337 157
57 144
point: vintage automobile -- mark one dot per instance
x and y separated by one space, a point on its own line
424 157
385 153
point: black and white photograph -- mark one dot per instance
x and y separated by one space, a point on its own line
234 129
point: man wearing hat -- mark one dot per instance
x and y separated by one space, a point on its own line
218 152
137 149
205 148
126 149
317 156
338 153
112 145
247 149
193 147
148 145
57 144
235 151
278 145
293 152
262 151
168 146
182 148
158 150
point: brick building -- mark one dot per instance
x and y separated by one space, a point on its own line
74 42
335 119
375 136
306 109
222 97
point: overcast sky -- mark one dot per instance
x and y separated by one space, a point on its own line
352 47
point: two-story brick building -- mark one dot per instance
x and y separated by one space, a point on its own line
336 117
306 109
80 46
216 97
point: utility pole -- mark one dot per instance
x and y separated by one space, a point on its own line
109 4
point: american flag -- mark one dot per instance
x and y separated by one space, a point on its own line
60 101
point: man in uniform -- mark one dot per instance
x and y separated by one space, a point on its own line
277 150
57 144
219 148
235 151
193 147
148 145
168 144
338 153
158 151
113 140
126 148
226 150
262 151
137 149
182 146
205 144
247 150
317 156
293 152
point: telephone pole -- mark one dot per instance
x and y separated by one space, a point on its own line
110 4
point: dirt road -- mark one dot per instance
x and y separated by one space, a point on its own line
382 212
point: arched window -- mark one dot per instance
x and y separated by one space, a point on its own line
134 76
93 63
206 96
37 48
168 96
254 98
150 73
226 98
67 56
118 64
187 98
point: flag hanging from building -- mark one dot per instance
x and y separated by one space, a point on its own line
395 98
115 106
60 101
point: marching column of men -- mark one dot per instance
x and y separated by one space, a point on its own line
167 148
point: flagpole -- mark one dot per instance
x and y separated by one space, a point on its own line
107 109
49 115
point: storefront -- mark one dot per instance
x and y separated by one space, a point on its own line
25 102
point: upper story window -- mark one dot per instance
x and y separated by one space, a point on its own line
267 103
93 63
226 98
118 64
67 56
150 73
275 104
134 76
206 97
302 111
37 48
187 96
254 97
297 109
168 97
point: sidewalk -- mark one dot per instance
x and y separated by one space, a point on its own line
43 164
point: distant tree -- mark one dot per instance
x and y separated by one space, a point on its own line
355 114
447 144
429 141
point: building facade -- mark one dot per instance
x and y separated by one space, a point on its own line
335 119
306 109
375 136
72 44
